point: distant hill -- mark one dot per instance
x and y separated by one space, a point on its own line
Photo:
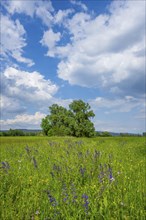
114 134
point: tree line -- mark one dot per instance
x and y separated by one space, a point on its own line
17 132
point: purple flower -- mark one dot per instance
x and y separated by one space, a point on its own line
86 202
84 196
51 198
111 174
5 166
64 189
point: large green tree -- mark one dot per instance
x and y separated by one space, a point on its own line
74 121
82 113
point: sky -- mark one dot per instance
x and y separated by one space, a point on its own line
63 50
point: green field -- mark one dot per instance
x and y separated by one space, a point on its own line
71 178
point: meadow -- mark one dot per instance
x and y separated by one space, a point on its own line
69 178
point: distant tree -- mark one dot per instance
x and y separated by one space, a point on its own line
144 134
14 132
17 132
74 122
98 134
106 134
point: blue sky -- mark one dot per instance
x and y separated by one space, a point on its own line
60 50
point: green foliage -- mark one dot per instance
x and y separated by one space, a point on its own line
106 134
72 178
13 132
73 122
17 132
46 125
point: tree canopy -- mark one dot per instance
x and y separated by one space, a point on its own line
75 121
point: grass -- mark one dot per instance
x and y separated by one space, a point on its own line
70 179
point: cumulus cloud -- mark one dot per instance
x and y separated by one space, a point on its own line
41 9
80 4
61 16
19 7
107 51
50 39
28 121
125 104
13 40
29 86
76 31
10 106
21 88
22 92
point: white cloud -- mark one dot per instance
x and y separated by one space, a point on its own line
27 121
61 16
41 9
76 29
80 4
21 89
21 6
126 104
77 26
106 51
50 40
44 10
29 86
10 105
13 40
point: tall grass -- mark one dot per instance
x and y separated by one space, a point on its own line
70 178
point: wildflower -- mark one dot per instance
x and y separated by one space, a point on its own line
64 189
112 179
34 162
101 174
86 202
84 196
73 189
37 212
5 166
111 175
51 198
74 198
